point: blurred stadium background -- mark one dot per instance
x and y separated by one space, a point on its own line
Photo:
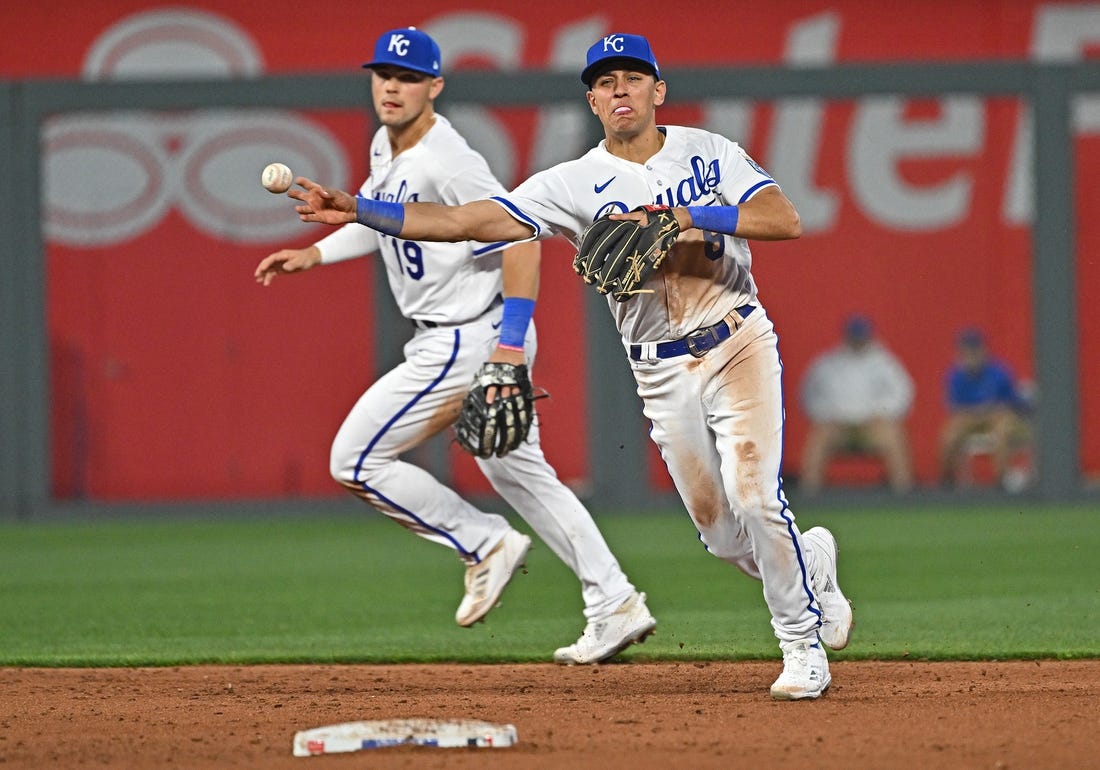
942 156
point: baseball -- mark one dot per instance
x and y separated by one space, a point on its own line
277 177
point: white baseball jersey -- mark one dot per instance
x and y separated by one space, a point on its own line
693 168
717 418
454 287
438 282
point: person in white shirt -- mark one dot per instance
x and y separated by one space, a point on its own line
857 396
458 297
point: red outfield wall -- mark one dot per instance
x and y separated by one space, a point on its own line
174 376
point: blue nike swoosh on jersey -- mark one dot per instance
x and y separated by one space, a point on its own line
599 188
497 324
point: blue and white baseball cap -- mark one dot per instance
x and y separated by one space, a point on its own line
409 48
619 45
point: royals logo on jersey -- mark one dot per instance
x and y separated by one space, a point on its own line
400 195
701 183
700 187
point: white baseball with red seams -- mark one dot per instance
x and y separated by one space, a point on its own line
721 411
277 177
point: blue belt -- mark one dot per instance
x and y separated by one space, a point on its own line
698 343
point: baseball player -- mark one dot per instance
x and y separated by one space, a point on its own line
454 295
700 344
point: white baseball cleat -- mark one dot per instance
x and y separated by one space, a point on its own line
836 610
485 581
605 638
805 671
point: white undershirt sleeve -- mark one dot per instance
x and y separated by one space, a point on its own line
348 242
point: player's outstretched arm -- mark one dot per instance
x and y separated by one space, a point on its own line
329 205
286 261
481 220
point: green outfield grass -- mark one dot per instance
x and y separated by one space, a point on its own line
1008 582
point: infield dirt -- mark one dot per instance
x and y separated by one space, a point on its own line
635 714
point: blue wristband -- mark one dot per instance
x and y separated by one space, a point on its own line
514 321
383 216
717 219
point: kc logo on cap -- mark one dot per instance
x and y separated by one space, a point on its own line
613 43
409 48
620 45
399 44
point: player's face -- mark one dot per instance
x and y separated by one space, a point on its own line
626 100
401 96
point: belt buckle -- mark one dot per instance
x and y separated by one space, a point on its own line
701 341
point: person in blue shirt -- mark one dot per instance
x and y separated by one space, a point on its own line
983 398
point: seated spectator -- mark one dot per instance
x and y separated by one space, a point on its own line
983 399
857 396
